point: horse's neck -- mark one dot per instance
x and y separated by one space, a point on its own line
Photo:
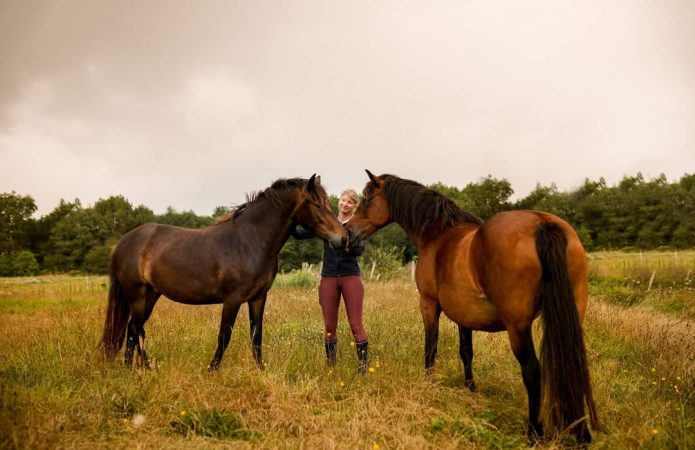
268 223
419 239
426 237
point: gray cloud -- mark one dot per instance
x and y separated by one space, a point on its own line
170 104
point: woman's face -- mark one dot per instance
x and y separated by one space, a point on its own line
346 205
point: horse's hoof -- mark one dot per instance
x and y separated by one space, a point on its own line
470 384
214 366
144 363
584 437
534 435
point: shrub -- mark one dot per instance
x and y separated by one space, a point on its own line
97 259
386 262
296 278
5 265
22 263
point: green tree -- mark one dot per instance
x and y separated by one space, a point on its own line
40 233
683 235
488 197
71 239
536 197
92 231
15 221
187 219
24 264
6 268
97 258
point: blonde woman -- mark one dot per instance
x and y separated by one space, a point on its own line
341 276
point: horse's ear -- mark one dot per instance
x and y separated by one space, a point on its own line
374 178
310 186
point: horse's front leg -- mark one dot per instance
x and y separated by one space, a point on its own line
430 310
256 308
230 309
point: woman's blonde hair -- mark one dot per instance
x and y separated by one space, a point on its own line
352 195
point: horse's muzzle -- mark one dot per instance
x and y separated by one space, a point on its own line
355 242
336 242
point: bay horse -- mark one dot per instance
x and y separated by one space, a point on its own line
495 276
231 262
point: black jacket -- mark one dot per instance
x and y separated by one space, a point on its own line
336 263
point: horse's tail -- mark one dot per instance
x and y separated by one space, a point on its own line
566 385
117 315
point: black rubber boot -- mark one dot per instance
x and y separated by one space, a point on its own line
330 352
362 356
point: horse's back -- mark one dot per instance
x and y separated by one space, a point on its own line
129 247
146 245
510 237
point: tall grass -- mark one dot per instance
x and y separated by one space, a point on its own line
56 392
663 282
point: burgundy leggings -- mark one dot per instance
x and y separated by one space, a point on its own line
352 289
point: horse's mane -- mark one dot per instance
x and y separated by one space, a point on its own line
272 194
420 209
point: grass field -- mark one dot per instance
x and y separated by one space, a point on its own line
57 393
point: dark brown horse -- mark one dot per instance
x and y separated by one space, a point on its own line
495 276
232 262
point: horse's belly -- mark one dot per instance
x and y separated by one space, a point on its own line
185 289
471 309
187 300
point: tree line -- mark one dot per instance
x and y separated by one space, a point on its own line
632 214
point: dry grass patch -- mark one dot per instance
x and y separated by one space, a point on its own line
56 392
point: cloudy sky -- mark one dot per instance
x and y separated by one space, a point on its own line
195 104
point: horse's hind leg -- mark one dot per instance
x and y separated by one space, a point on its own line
136 313
522 346
466 353
256 308
131 339
140 313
